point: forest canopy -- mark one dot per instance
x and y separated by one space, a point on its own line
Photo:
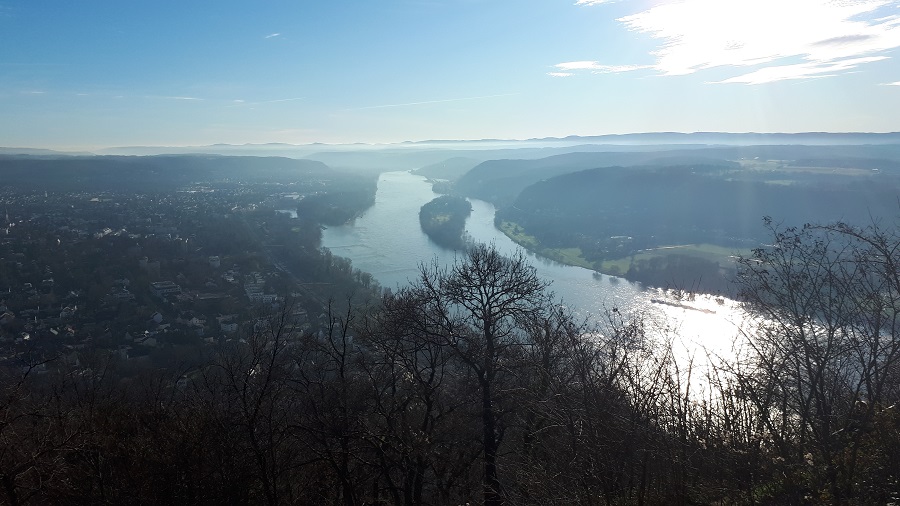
474 385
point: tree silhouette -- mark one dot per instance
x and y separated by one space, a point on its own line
483 301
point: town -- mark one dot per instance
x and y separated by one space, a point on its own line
163 278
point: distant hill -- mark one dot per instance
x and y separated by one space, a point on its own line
749 138
149 172
40 152
450 169
501 181
707 138
417 154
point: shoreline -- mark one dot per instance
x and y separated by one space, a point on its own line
532 246
556 258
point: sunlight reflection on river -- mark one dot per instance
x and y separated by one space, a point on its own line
388 242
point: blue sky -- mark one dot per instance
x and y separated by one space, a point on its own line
99 73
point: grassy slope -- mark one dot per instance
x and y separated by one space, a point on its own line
619 266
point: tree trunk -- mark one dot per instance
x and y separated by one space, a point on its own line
492 496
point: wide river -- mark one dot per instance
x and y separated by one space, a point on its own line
388 242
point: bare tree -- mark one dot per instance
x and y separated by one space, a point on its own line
482 301
34 432
416 424
825 346
328 384
249 382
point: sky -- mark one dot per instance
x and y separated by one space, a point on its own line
100 73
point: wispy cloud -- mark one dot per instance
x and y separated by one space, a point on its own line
181 98
801 71
830 37
426 102
119 96
593 2
272 35
241 102
598 68
281 100
892 84
560 74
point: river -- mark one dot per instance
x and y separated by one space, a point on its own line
387 242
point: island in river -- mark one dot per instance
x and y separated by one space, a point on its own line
444 220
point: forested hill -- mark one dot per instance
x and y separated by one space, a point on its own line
689 204
150 173
501 181
683 224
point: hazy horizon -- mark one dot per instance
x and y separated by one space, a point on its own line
612 140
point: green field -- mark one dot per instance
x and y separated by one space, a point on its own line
725 256
568 256
785 167
518 235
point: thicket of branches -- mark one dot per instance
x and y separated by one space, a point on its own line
473 385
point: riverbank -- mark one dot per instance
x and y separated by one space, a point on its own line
567 256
